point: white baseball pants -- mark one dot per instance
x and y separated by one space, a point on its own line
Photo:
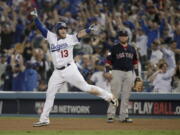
71 75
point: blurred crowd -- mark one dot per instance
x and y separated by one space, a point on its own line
153 28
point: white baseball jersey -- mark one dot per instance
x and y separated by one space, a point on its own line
61 49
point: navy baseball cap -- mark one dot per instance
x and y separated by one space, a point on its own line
122 33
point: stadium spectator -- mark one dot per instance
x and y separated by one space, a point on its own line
176 79
85 67
102 79
156 54
17 63
176 51
31 78
3 65
152 30
28 51
141 44
163 77
138 85
18 78
7 79
157 20
177 35
39 62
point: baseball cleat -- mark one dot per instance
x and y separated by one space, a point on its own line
40 124
110 120
115 102
127 120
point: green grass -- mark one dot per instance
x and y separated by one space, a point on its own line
114 132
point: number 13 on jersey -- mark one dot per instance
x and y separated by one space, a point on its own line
64 53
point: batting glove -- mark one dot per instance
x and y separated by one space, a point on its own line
34 13
92 28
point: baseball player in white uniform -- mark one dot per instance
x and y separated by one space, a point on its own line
61 48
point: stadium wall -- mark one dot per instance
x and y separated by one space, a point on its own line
141 104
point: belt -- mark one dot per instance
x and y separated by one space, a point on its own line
61 68
124 70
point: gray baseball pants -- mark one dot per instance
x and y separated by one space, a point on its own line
121 86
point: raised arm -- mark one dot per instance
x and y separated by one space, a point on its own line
169 57
85 32
38 23
144 26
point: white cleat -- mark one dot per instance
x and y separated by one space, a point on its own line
115 102
40 124
110 120
127 120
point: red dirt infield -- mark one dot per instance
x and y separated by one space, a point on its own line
89 124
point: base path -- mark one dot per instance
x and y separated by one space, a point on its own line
10 123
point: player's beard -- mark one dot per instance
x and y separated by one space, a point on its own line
124 42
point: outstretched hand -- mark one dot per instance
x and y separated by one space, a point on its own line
34 13
93 28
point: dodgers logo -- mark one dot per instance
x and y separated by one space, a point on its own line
58 47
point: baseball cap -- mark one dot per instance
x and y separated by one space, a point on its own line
122 33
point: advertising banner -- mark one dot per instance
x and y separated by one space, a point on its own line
154 108
89 107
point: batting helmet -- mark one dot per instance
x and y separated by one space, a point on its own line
122 33
60 25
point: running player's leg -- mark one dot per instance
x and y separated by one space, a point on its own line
75 78
54 85
125 94
116 90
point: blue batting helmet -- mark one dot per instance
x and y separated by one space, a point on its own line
60 25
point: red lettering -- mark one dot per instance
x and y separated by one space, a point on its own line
156 108
166 108
64 53
161 108
170 108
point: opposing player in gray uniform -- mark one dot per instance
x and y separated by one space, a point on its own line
123 59
65 70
